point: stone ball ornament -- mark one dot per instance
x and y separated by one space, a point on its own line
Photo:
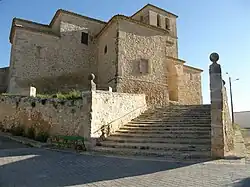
91 77
214 57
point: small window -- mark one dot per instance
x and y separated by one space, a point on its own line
191 76
85 38
105 49
167 23
158 20
143 66
38 51
141 18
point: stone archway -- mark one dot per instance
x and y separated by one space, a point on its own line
172 80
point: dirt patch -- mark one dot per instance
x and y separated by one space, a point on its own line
246 136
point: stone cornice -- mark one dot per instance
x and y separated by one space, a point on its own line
176 59
192 68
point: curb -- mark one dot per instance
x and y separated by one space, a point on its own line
24 140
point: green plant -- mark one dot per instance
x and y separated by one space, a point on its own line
72 95
17 131
31 133
42 136
43 96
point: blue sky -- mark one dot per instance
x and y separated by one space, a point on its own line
204 26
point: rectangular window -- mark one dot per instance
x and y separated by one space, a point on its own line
141 18
144 66
85 38
167 23
158 20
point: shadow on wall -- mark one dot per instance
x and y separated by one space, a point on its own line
50 168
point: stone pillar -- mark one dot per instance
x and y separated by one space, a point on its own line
92 85
216 95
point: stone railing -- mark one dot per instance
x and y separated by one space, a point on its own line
222 132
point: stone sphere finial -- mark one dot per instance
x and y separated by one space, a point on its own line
214 57
91 77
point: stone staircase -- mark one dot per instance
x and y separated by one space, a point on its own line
178 132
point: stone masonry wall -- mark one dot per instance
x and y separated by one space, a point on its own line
4 73
63 117
135 43
227 123
153 20
190 92
51 63
111 110
107 60
27 24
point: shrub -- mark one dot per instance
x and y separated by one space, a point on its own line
31 133
72 95
42 137
17 131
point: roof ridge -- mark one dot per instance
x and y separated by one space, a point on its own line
154 7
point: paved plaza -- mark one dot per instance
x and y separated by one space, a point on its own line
32 167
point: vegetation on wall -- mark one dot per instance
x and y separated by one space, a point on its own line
72 95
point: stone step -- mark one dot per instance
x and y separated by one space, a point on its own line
153 135
170 124
188 113
180 110
174 117
186 126
182 107
173 122
168 155
164 132
163 128
123 139
157 133
156 146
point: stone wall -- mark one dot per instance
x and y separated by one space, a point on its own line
111 110
138 42
227 123
54 116
107 57
190 92
52 63
153 20
33 25
97 113
4 73
222 132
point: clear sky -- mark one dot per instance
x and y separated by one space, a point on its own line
204 26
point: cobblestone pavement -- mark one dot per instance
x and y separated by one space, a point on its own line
31 167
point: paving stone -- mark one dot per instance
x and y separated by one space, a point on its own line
32 167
